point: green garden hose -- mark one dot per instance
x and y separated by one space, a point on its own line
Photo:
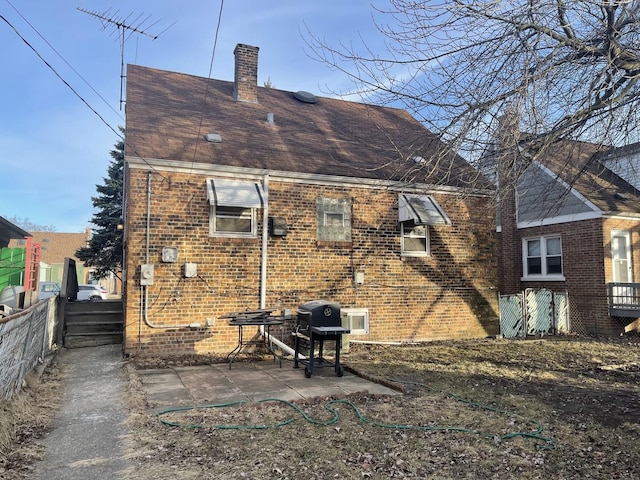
536 434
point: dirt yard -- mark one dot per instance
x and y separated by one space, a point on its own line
538 408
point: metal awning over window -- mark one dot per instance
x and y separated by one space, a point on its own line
224 192
422 209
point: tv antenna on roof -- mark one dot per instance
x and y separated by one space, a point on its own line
124 27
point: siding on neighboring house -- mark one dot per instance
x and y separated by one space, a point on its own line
572 194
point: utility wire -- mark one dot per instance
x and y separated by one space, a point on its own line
75 92
65 61
206 93
60 76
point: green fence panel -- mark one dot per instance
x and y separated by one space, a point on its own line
12 264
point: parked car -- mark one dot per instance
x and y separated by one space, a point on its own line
92 292
48 289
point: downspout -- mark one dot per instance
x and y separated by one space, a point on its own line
144 292
265 241
263 268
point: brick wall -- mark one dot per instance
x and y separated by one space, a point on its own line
586 248
451 294
583 270
246 73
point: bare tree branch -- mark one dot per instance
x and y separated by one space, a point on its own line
569 68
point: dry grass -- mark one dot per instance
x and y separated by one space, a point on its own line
583 392
25 419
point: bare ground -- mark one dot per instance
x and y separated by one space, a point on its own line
564 407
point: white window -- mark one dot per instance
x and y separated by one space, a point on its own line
416 213
356 320
233 221
232 207
415 239
542 258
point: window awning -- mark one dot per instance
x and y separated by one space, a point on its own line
226 192
422 209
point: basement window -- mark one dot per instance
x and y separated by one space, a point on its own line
356 320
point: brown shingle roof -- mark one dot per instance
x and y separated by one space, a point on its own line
579 165
169 113
55 246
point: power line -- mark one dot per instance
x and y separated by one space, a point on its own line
58 75
75 92
64 60
206 93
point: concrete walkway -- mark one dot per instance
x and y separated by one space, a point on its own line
87 437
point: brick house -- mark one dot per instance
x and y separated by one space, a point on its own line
239 196
54 248
575 227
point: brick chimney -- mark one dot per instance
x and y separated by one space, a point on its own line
245 85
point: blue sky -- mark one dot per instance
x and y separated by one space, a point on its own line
54 149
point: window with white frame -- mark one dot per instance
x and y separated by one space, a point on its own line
415 239
416 213
542 257
233 221
356 320
233 204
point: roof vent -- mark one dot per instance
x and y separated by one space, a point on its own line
213 138
305 97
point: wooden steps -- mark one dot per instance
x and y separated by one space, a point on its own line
89 324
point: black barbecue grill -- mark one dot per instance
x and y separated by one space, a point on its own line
317 322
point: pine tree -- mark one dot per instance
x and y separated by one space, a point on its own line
104 250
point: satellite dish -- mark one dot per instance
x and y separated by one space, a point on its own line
305 97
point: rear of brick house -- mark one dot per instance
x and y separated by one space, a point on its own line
240 197
575 227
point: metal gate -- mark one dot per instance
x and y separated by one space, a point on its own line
534 312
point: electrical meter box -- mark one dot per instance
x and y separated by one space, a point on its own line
146 274
169 254
190 270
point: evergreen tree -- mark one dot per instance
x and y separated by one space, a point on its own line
104 251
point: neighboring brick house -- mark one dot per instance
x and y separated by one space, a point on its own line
364 207
54 248
575 227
